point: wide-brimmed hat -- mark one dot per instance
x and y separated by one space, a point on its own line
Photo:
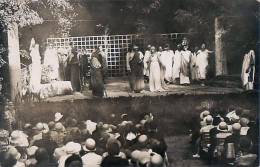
58 116
14 153
15 137
222 126
31 150
235 119
72 148
204 114
90 145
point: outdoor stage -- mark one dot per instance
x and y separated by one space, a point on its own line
119 87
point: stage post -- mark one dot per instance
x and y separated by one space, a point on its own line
14 59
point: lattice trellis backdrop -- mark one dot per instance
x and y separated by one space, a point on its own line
117 47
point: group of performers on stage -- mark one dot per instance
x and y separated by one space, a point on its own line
166 66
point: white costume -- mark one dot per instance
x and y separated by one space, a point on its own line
247 77
193 67
166 58
185 63
129 57
176 65
146 58
35 80
202 63
51 59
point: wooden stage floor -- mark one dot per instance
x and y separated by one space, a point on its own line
119 87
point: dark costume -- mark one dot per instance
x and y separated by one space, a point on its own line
84 67
74 72
104 67
136 65
96 77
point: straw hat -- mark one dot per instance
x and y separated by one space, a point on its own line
31 150
15 137
58 116
204 114
72 148
222 126
90 145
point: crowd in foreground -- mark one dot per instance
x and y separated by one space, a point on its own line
66 142
228 138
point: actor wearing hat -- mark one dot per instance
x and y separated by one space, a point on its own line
167 60
51 60
136 66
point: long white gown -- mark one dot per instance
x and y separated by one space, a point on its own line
166 58
51 59
35 80
184 78
202 63
155 73
248 61
176 65
146 58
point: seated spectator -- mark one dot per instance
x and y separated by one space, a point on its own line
91 159
8 160
156 161
38 130
134 158
58 135
70 148
244 156
244 128
112 159
18 138
144 158
74 161
31 156
42 158
17 156
110 141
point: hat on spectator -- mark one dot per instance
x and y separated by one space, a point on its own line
204 114
70 122
236 127
144 157
72 148
31 150
243 122
143 140
156 160
235 119
45 128
15 154
135 155
209 119
39 127
59 127
222 126
113 140
90 145
58 116
15 137
27 126
51 125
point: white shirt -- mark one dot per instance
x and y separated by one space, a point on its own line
91 160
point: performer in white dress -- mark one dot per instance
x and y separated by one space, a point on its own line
202 63
146 57
193 67
248 70
51 60
176 64
185 64
154 64
35 80
167 60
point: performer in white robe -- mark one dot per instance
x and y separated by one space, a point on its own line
167 60
146 57
185 66
202 62
154 64
35 80
193 67
248 71
51 60
176 64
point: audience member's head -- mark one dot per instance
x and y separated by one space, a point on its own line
41 155
156 161
59 127
209 120
243 122
236 128
90 145
235 119
113 148
8 160
74 161
51 125
143 141
244 144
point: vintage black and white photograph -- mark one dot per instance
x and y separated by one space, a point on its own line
129 83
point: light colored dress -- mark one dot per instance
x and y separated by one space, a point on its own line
193 67
247 77
155 73
176 65
51 59
185 63
35 80
146 58
202 63
166 58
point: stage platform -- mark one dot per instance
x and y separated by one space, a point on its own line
119 87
